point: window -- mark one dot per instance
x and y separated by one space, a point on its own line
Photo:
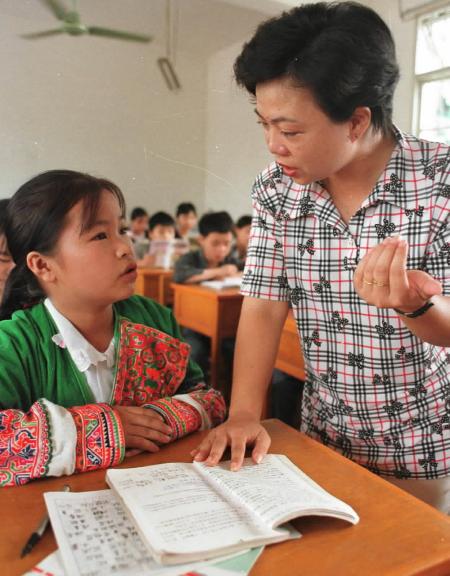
433 77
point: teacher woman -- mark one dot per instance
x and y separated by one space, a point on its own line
351 230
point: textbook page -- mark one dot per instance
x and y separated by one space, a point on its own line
183 517
96 538
230 282
277 490
238 565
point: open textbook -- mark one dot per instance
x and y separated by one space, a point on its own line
96 538
228 282
188 512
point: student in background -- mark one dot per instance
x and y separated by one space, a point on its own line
186 220
213 261
161 226
138 230
95 373
138 224
6 262
351 228
164 249
242 233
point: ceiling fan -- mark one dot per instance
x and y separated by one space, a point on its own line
71 24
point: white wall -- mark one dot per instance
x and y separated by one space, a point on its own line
101 105
404 36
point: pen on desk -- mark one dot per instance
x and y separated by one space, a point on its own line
38 533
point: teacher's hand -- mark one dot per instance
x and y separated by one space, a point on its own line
239 430
381 278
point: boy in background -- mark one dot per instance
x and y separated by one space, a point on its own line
186 220
159 248
242 234
161 227
138 224
138 232
211 262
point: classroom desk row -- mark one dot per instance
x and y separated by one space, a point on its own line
215 313
397 535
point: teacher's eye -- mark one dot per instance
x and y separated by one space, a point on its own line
290 134
263 124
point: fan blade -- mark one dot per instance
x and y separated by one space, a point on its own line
57 8
43 34
119 34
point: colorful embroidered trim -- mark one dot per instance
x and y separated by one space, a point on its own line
181 417
212 403
100 437
151 364
25 446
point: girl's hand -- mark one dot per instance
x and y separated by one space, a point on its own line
381 278
143 428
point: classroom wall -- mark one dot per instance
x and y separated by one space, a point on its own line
102 106
235 150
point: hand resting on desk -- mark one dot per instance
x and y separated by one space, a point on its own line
143 428
239 430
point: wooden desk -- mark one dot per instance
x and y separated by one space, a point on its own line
155 283
397 535
290 356
213 313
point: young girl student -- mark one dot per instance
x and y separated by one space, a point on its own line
88 371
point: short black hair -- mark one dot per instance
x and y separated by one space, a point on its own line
243 221
342 51
185 208
138 212
161 219
3 205
215 222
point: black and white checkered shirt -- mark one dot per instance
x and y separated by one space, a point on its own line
374 391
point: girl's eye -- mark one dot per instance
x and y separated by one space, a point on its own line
263 124
123 230
290 134
99 236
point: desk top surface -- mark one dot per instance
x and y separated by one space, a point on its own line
232 293
155 271
397 534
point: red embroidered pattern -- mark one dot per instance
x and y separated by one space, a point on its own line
151 365
212 403
100 438
25 448
180 416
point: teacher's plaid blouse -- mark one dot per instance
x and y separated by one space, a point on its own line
374 391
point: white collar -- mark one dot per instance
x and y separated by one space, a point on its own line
83 353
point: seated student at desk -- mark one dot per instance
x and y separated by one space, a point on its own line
186 222
6 262
138 231
89 373
211 262
242 233
161 228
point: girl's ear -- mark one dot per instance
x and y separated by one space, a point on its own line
360 122
41 267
